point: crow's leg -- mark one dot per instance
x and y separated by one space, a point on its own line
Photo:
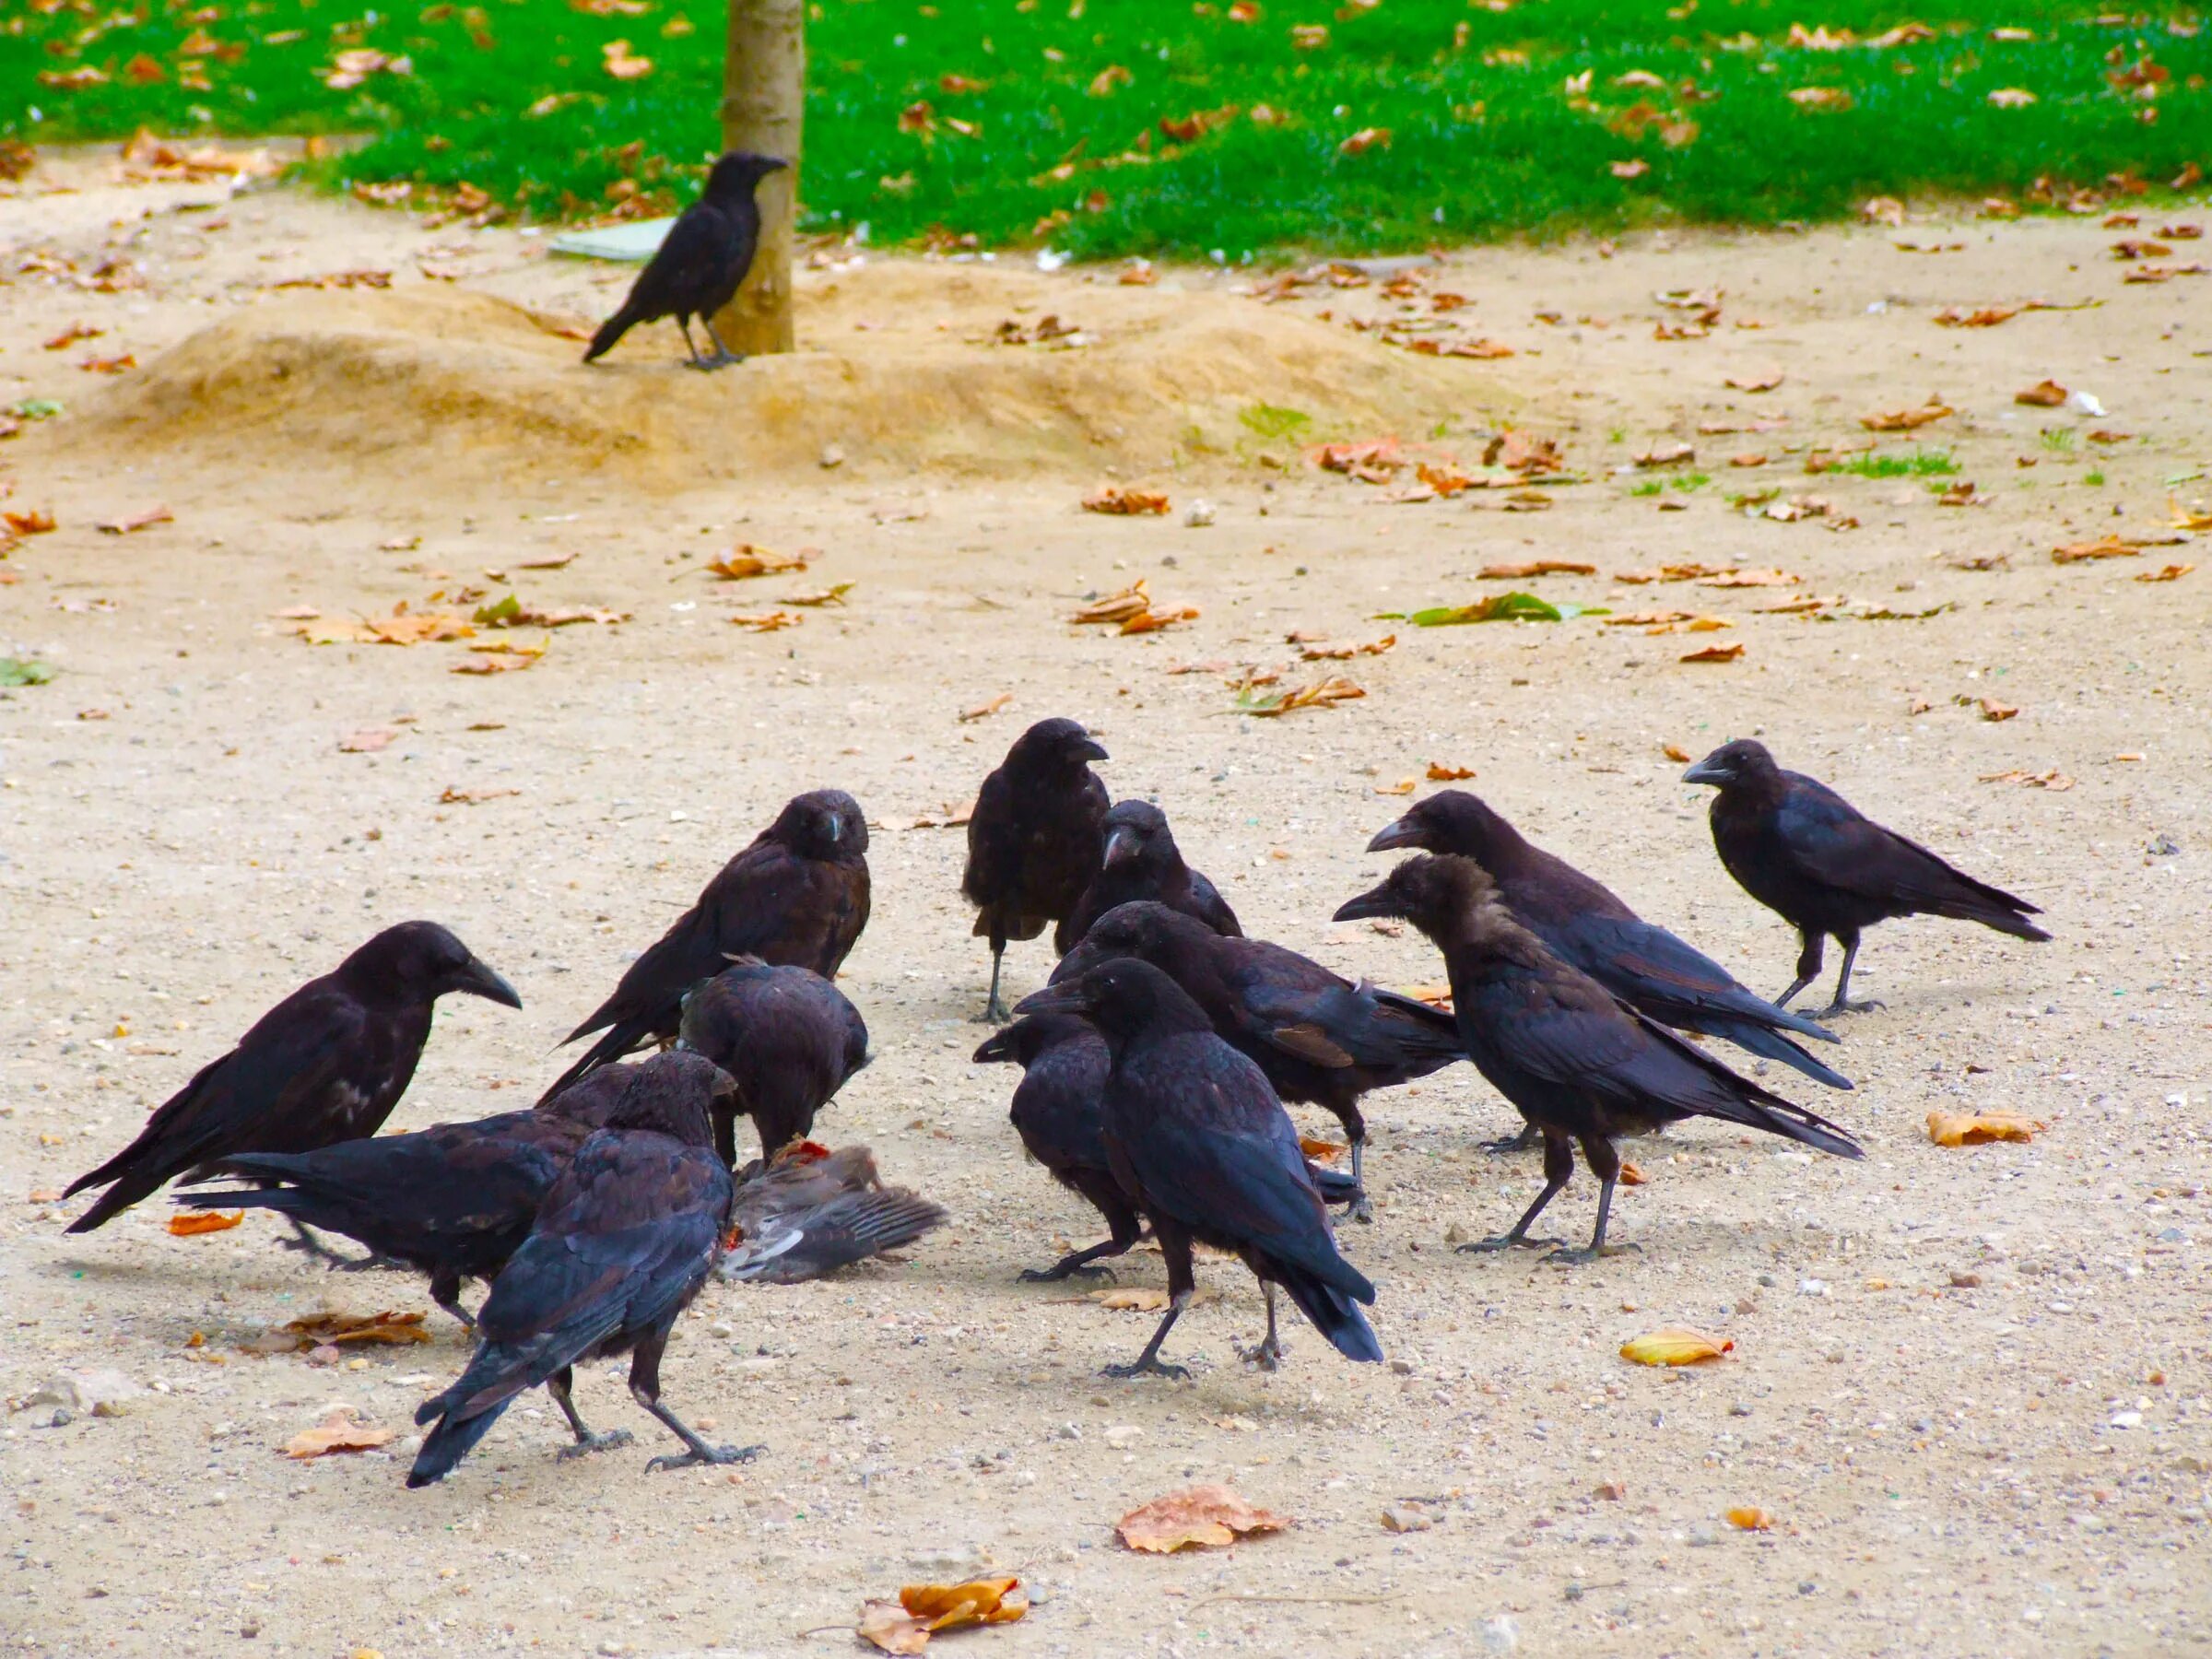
308 1243
1604 1163
587 1441
446 1290
1123 1226
723 356
690 345
1267 1353
1530 1135
645 1388
1843 1005
1558 1164
1355 1129
1175 1245
1078 1264
1808 965
994 1012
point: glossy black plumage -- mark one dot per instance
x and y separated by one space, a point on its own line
1579 1063
1588 926
798 895
1193 1130
1804 852
1317 1036
807 1213
787 1038
700 264
327 1063
454 1201
1035 839
1141 861
623 1241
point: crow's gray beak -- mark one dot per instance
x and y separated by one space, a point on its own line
1405 832
837 825
478 980
1705 771
1121 846
1091 748
1376 901
1055 999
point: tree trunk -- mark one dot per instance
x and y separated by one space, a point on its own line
764 106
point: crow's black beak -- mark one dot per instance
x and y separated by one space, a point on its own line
1706 771
1405 832
1376 901
1091 748
997 1047
774 164
1066 998
478 980
1121 846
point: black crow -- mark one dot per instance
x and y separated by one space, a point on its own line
1803 851
1586 925
327 1063
1318 1037
1579 1062
1193 1130
454 1201
623 1241
798 895
787 1037
1141 861
1035 839
809 1212
702 263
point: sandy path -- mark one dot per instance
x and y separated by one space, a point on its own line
1970 1386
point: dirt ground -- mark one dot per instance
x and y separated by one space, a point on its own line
1969 1385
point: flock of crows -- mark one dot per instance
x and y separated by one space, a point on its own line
1156 1063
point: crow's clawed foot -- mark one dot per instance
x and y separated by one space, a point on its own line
994 1013
1145 1368
1053 1275
721 359
1570 1255
1360 1210
605 1440
1267 1355
1513 1143
1866 1004
1509 1242
709 1454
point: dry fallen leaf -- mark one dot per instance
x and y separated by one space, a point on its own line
2044 395
766 622
1323 652
832 595
204 1221
1978 1129
142 519
1131 601
746 561
2104 546
383 1327
1746 1518
341 1430
1535 567
35 520
451 796
1142 1299
1440 773
1676 1345
1676 753
2172 573
2189 518
1714 653
1200 1515
1120 498
1905 420
1749 578
906 1625
2053 780
1667 454
1327 1151
1334 688
1403 786
984 709
1995 711
510 662
1988 316
1765 380
368 741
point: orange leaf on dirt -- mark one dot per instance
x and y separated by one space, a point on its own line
1131 601
1714 653
1334 688
766 622
1369 460
1676 753
1203 1516
37 521
1440 773
1403 786
2189 518
1535 567
1987 316
1152 621
2044 395
1764 382
1995 711
497 664
892 1629
1978 1129
1326 1151
1323 653
1667 454
984 711
981 1601
1140 1299
1675 1345
1906 420
1119 498
2053 780
1746 1518
396 1329
341 1430
2104 546
746 561
1749 578
1632 1174
2172 573
204 1221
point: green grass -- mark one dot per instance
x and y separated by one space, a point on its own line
1488 133
1920 463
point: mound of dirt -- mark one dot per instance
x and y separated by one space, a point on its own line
903 365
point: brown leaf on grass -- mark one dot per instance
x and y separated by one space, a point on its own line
766 622
1535 567
1747 1518
2010 98
1979 1128
1123 500
1765 380
1203 1516
395 1329
1883 210
1987 316
35 520
1635 167
1667 454
746 561
2044 395
1321 694
1440 773
204 1221
984 711
620 62
341 1430
2172 573
1365 139
1820 97
1906 420
1714 653
367 741
1675 1345
2053 780
1675 752
2104 546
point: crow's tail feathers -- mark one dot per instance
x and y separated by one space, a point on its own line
450 1441
610 331
1335 1314
1777 1116
1773 1045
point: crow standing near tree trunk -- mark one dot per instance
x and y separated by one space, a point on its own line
701 264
